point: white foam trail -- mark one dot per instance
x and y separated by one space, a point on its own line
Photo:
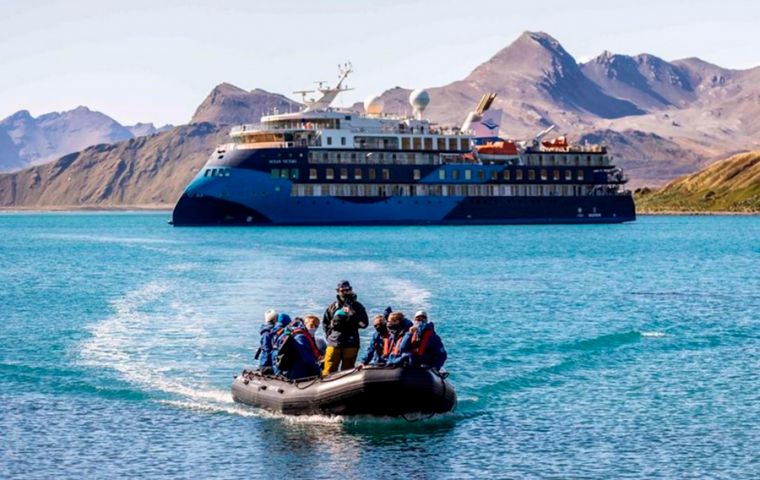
405 293
654 334
125 341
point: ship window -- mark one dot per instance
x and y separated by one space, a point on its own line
329 140
206 173
353 156
452 143
329 174
312 174
417 142
416 173
455 174
481 175
357 174
518 175
275 173
284 173
531 174
465 144
405 143
386 174
580 174
544 174
294 174
342 140
506 174
568 174
428 143
441 144
324 156
371 174
442 174
344 174
468 174
555 175
495 175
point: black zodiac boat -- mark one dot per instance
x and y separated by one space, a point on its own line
381 391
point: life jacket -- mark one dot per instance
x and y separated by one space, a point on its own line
391 346
419 345
285 337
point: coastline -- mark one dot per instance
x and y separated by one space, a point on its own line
156 208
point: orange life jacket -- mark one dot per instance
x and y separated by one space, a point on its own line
390 346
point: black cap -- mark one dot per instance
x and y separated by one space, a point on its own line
344 284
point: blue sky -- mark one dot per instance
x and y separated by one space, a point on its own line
156 60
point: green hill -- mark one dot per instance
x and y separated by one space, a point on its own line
731 185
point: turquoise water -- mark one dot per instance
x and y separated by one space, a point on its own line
609 351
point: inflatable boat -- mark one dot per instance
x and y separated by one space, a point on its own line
381 391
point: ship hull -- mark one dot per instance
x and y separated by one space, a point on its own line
247 193
202 211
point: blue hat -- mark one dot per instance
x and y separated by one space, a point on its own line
283 319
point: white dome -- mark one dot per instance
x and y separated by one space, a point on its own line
419 99
373 105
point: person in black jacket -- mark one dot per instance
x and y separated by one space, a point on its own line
342 321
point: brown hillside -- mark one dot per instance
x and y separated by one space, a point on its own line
146 172
731 185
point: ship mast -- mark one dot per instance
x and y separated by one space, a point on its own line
328 94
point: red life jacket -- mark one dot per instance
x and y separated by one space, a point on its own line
304 332
419 345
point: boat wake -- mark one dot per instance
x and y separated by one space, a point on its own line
158 340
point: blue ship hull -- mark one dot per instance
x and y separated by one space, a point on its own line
246 194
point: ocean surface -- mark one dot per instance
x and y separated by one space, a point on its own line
607 351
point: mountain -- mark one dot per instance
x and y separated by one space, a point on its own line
49 136
731 185
231 105
147 171
143 129
660 119
647 81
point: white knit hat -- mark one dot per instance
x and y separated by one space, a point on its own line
270 316
420 313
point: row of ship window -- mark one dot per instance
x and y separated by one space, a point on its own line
466 174
217 172
417 190
419 158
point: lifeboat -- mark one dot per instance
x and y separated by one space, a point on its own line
498 151
380 391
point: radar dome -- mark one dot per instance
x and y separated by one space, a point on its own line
419 99
373 105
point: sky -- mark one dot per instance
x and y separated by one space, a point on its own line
155 61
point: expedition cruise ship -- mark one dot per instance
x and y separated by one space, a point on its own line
323 166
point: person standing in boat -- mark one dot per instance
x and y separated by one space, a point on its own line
341 322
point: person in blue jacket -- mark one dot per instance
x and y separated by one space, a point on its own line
374 354
296 353
421 346
264 352
398 327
